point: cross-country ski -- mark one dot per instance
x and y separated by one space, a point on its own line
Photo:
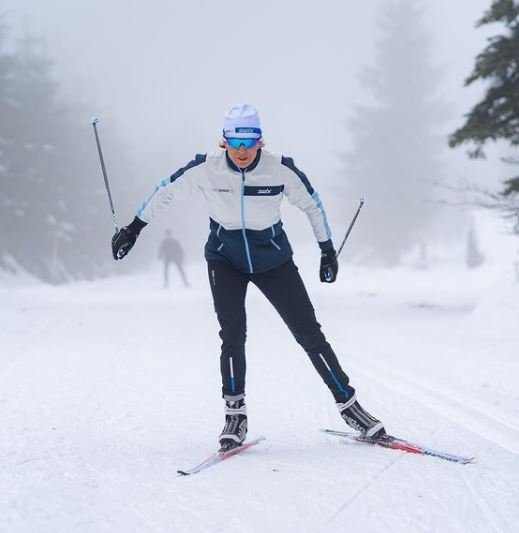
395 443
218 457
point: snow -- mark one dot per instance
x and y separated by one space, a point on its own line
108 387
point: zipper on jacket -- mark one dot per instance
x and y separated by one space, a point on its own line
242 205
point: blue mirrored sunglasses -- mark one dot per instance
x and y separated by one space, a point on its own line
236 143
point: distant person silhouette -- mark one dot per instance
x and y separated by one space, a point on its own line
171 251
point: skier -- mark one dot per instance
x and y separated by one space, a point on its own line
170 251
244 184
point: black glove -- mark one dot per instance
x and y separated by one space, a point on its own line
329 266
124 239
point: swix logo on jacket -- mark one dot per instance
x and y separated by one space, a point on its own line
244 206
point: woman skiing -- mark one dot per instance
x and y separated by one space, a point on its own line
244 185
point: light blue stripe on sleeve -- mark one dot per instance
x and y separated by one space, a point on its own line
164 183
317 200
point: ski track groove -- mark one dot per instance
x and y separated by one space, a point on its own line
25 346
492 516
467 416
107 487
366 486
372 481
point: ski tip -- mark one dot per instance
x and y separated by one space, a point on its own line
335 432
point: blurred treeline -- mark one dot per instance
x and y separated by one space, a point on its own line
53 204
399 140
398 144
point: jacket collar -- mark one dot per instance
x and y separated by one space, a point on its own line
236 168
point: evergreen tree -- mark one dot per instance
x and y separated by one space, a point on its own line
394 161
54 206
32 152
496 116
9 106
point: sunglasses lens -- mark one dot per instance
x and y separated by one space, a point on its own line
236 143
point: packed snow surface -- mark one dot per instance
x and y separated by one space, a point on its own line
108 387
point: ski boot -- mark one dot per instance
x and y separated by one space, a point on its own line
235 429
357 418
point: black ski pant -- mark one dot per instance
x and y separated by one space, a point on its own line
285 290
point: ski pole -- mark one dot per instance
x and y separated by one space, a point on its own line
351 226
95 121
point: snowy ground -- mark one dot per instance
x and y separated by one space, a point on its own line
107 388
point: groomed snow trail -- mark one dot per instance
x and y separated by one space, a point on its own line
107 388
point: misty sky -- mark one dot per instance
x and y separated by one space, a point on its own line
167 71
164 72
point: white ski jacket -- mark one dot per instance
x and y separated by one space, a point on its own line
244 206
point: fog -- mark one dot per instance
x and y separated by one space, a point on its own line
109 372
162 74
